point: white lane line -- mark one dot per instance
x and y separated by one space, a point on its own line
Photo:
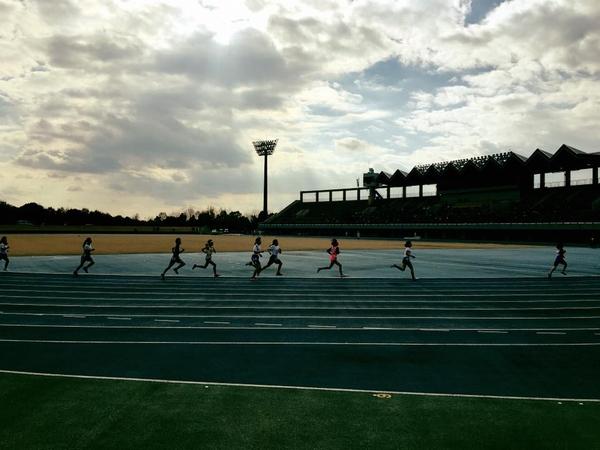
302 308
216 323
321 326
306 343
443 330
183 290
550 332
358 328
492 331
273 316
309 388
165 320
199 300
268 324
74 316
119 318
160 295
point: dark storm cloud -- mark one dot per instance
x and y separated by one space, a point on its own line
66 160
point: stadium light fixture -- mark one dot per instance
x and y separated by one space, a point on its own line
265 148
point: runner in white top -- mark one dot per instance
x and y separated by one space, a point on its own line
274 250
86 257
208 250
406 260
4 251
255 258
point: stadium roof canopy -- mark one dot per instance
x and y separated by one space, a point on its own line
508 163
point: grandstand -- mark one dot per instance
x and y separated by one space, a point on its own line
502 196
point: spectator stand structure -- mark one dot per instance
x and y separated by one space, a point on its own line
504 191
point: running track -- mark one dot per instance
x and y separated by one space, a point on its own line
523 337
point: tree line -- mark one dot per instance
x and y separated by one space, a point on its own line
209 219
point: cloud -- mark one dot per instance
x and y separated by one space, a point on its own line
156 103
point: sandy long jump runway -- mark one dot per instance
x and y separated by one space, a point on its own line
510 337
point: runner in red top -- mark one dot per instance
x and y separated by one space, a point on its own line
333 251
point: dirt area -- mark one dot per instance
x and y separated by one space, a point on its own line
70 244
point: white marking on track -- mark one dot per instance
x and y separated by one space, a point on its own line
443 330
492 331
74 316
550 332
268 324
166 320
251 316
301 308
309 388
36 325
119 318
305 343
217 323
321 326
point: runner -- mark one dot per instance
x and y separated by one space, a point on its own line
333 251
255 258
560 259
175 259
406 260
86 257
208 250
4 251
274 250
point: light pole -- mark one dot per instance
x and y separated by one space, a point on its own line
265 148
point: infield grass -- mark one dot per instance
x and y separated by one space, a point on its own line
64 413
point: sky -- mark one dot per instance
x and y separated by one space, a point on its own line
143 106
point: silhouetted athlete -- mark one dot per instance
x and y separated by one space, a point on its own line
559 260
406 260
4 252
175 259
86 257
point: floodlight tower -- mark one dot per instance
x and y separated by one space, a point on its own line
265 148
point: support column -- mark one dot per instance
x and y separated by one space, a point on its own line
403 191
542 180
344 195
265 191
358 194
567 178
301 197
317 196
389 192
420 190
594 176
330 196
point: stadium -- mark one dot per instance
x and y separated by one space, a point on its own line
503 197
151 299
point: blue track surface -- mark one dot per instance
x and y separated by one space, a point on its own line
522 262
486 336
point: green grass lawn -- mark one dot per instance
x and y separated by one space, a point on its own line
64 413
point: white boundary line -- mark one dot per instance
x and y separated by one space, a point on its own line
309 308
307 343
297 294
319 301
252 316
308 388
357 328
